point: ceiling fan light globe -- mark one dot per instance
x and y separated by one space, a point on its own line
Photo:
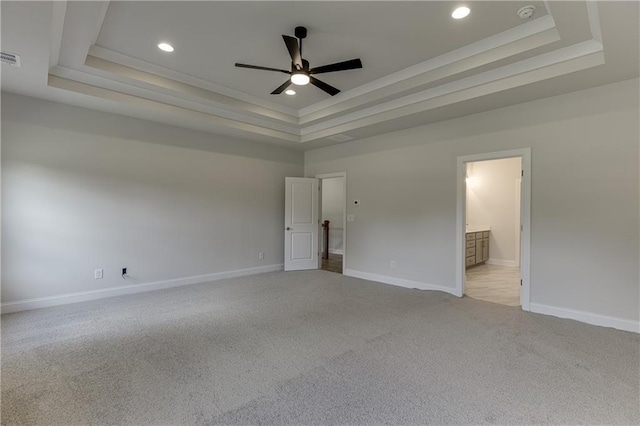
300 79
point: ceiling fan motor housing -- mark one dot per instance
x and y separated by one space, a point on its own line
300 32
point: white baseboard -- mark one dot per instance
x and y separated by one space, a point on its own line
336 251
45 302
397 281
502 262
587 317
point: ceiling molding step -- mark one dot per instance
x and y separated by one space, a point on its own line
552 64
171 75
594 20
515 81
104 6
524 37
410 104
184 91
512 35
211 120
501 52
572 65
94 80
532 50
82 22
58 13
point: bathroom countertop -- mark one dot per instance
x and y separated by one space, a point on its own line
478 228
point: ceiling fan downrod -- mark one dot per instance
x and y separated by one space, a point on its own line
300 33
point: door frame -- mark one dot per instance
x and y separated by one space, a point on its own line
461 206
344 216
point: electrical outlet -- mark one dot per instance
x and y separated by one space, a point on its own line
351 218
97 274
393 264
261 255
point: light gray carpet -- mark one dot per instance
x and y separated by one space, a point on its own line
311 348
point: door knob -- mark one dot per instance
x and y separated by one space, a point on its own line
288 229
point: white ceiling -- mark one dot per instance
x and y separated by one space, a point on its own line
420 65
221 34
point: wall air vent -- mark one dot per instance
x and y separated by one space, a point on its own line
10 58
339 138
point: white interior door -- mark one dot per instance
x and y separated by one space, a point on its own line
301 224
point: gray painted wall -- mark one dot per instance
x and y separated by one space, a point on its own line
585 196
83 190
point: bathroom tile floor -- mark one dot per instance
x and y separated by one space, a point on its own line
494 283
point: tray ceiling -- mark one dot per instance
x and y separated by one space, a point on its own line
418 61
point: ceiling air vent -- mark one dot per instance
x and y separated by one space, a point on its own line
339 138
10 58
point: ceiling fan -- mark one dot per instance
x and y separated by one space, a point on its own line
300 72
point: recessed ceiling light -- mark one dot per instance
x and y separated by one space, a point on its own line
461 12
290 92
165 47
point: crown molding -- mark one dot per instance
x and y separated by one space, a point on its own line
195 104
178 89
463 95
58 13
570 59
444 80
178 111
498 46
165 76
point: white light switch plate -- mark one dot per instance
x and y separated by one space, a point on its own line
350 218
97 274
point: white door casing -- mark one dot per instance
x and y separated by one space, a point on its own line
525 211
301 224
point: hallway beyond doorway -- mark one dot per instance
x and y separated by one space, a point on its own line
333 264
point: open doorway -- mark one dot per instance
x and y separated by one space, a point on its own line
492 234
493 227
332 220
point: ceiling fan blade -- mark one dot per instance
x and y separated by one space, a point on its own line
281 88
340 66
255 67
294 50
324 86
